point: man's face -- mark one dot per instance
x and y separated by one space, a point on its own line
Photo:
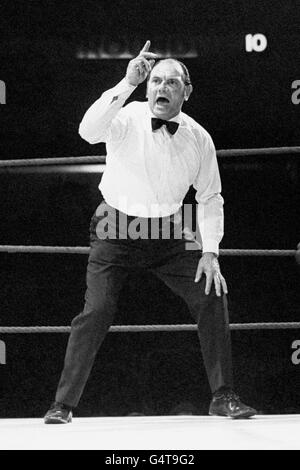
166 90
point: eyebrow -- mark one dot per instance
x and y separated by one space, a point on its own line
175 77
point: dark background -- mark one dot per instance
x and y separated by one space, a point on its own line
244 100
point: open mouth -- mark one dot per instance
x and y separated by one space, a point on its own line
162 100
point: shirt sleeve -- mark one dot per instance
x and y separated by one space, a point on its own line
210 213
105 120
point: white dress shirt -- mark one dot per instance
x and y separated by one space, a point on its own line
148 173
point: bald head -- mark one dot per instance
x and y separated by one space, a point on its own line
185 73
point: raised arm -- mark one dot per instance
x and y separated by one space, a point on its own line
104 120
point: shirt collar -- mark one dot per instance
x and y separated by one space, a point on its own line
177 118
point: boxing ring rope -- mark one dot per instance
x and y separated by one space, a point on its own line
151 328
101 159
85 250
82 250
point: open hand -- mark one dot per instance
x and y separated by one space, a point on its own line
209 265
139 67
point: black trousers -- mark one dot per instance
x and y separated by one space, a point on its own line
110 261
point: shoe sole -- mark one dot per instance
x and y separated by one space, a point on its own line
242 416
57 421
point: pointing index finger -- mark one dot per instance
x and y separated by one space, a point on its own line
146 46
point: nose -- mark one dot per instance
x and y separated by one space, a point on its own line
162 85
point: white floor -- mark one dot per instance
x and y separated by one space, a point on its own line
154 433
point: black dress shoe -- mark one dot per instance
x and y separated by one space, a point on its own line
227 403
58 414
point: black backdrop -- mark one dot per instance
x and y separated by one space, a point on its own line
244 99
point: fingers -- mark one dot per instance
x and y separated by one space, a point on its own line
211 269
199 273
146 46
220 284
139 67
145 64
224 284
209 279
217 283
142 65
145 52
148 55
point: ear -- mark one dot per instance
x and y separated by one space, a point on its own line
187 91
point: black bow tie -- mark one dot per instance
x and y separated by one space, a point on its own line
172 126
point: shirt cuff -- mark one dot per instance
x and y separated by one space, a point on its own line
211 246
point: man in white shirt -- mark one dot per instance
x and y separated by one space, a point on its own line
154 153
